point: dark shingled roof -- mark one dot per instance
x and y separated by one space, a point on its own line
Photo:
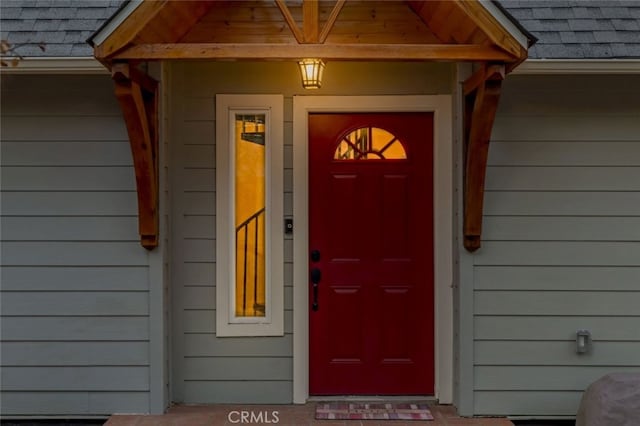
566 29
580 29
62 25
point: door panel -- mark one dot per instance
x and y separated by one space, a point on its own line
371 219
395 229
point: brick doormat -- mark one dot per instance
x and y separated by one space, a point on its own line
372 411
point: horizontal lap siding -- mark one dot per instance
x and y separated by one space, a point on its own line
75 281
72 403
561 244
208 369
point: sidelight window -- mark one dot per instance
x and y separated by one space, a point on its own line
249 209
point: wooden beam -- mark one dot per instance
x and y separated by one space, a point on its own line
420 52
492 72
129 28
139 108
310 21
459 20
158 21
286 13
326 29
480 111
491 28
124 71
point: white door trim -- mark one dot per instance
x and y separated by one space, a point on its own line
441 106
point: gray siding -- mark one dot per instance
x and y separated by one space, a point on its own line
561 248
208 369
74 279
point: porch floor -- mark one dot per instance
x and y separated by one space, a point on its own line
298 415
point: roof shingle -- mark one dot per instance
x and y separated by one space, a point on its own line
62 25
580 29
566 29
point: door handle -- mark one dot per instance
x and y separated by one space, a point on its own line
316 275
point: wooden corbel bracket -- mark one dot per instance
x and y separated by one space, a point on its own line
137 94
482 93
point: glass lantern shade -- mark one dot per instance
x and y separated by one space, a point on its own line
311 71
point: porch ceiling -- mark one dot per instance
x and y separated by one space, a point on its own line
443 30
417 30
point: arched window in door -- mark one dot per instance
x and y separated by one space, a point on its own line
370 143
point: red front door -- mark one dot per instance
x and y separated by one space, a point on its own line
371 254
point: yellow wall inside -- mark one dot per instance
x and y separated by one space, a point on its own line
250 198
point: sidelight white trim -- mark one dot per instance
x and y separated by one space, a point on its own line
227 324
441 106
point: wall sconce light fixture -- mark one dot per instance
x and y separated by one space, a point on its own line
311 70
583 341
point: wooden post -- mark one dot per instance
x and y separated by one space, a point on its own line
136 93
482 91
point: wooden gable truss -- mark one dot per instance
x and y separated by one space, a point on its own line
414 30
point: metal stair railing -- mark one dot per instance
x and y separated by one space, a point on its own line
244 226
